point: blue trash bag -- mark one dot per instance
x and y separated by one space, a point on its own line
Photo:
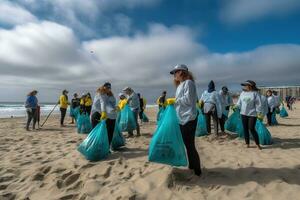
118 139
264 135
231 122
127 120
239 127
145 118
273 119
83 123
167 145
283 112
160 114
74 112
96 146
201 129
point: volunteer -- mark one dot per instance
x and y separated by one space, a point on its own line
133 102
108 109
185 104
31 109
250 107
211 104
271 106
226 102
63 103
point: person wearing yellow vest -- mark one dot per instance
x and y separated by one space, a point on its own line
88 103
161 101
122 102
63 104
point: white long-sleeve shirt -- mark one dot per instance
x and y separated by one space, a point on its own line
271 103
108 105
96 107
186 100
133 102
264 103
211 99
226 100
250 103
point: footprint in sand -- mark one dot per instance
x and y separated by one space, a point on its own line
38 177
71 179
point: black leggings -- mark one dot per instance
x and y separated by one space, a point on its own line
188 135
110 125
63 112
269 116
214 116
31 116
222 122
249 124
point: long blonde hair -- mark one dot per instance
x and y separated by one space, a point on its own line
186 75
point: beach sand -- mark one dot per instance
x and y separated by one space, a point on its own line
45 164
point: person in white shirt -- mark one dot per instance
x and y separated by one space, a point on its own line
271 106
250 107
212 107
226 102
133 102
185 104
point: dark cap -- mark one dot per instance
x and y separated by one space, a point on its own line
250 83
107 84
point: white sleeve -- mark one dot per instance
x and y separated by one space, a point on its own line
188 94
258 104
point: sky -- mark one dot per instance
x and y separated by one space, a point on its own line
51 45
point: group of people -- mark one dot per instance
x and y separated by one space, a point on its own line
215 105
103 106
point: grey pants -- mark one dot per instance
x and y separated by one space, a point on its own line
136 115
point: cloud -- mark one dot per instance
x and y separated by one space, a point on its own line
91 18
13 14
242 11
49 57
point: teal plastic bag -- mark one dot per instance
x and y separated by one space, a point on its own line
230 124
234 124
167 145
145 118
118 139
96 147
127 120
83 123
160 114
273 119
283 112
264 135
201 129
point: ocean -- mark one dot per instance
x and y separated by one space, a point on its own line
8 110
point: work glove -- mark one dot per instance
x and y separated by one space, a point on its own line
170 101
235 108
201 104
103 116
260 116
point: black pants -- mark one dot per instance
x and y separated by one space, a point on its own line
95 119
214 116
31 116
110 125
269 116
188 135
249 124
141 114
222 123
63 112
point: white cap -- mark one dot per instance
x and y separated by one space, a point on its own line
182 67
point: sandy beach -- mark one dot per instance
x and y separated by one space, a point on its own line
45 164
